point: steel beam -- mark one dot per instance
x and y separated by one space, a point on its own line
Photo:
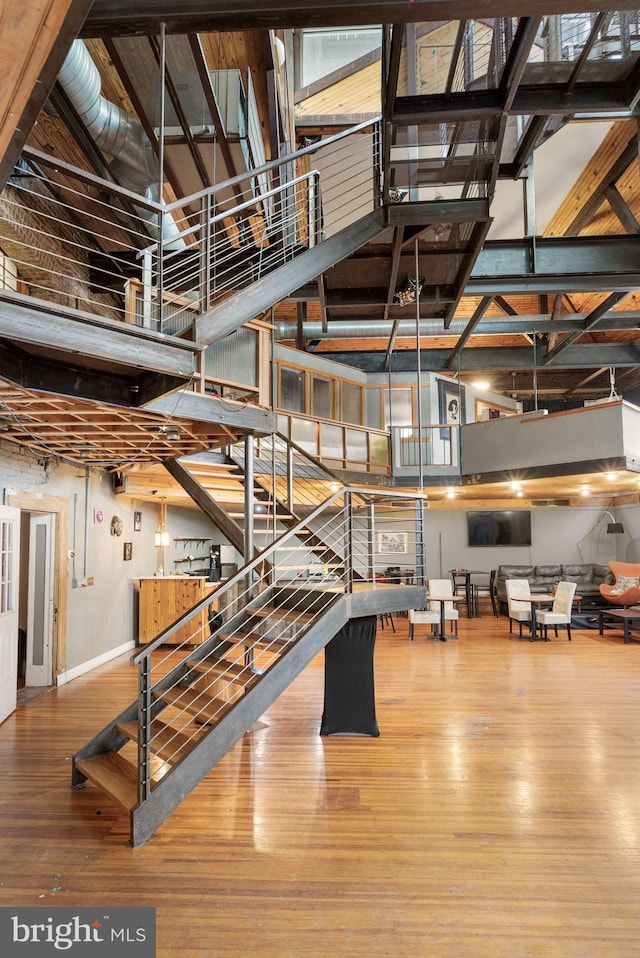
557 264
587 356
542 99
121 17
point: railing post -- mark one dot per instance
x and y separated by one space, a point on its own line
248 502
420 543
289 477
144 729
205 253
377 168
371 544
348 559
147 283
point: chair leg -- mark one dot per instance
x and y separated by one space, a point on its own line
569 631
393 625
411 631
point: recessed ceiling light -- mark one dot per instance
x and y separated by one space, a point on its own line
612 476
585 491
451 493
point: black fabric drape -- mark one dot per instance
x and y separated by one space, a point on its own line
349 694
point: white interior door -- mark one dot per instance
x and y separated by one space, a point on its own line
9 569
40 601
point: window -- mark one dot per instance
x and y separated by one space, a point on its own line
322 400
291 389
398 408
351 399
327 49
6 566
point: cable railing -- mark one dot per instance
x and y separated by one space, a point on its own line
85 242
258 615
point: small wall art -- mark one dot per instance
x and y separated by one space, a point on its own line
127 551
392 543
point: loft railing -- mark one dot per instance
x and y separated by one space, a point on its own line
84 242
339 445
436 447
265 609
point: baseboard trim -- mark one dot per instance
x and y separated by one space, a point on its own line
69 674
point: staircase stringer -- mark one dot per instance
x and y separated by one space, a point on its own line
171 790
243 306
206 503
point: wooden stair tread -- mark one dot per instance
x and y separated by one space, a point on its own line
202 706
234 672
249 639
166 742
116 776
283 615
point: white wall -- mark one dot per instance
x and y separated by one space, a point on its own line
102 618
558 535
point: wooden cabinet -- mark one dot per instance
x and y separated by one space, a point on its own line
163 599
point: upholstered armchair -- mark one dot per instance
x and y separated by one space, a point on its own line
626 588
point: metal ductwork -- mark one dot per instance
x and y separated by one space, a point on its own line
525 324
362 329
135 165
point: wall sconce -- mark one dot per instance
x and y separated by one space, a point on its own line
161 537
614 528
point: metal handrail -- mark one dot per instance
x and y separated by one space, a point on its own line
272 165
349 516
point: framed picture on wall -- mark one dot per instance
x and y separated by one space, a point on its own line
392 543
450 406
127 552
137 521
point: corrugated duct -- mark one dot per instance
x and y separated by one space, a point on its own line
118 133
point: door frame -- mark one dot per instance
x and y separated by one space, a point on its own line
38 502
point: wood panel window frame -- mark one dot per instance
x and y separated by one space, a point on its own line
297 370
342 384
330 383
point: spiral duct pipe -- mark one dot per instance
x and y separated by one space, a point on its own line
117 133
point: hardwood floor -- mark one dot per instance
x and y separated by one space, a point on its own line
498 814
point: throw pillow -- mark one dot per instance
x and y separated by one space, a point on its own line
624 582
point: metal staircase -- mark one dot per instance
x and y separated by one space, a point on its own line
261 628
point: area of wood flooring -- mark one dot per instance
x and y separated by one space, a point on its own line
498 813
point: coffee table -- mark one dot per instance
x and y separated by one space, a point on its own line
628 617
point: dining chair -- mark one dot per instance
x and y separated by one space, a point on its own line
486 589
560 612
518 602
422 617
443 587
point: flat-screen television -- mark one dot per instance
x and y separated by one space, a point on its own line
506 527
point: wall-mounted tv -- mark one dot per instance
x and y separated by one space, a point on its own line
507 527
